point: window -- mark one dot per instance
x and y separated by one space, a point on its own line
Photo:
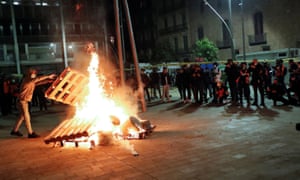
166 22
200 33
164 5
183 18
185 43
1 12
6 11
172 3
258 23
52 28
35 28
28 11
176 44
77 28
174 20
1 30
25 28
7 28
69 28
18 28
44 28
18 10
38 11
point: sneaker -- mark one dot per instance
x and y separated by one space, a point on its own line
33 135
16 133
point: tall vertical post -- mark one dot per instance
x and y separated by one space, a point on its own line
230 26
119 41
122 35
63 34
243 29
15 37
134 53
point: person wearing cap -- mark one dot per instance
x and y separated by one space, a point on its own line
25 96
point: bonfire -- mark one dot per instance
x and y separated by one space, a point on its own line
100 118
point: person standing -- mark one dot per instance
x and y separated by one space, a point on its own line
243 84
197 84
146 82
217 74
155 83
280 72
258 81
186 84
179 82
232 72
165 82
25 96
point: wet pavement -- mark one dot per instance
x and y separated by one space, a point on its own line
189 142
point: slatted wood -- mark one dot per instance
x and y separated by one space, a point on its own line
69 88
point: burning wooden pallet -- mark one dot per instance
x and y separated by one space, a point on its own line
70 131
68 88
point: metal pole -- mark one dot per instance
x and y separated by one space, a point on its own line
15 37
63 34
134 53
119 43
122 35
226 25
230 15
243 30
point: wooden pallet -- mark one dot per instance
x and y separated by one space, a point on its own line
69 130
69 88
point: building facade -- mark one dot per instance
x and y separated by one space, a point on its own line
257 27
45 34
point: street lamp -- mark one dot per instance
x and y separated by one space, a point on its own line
226 25
243 29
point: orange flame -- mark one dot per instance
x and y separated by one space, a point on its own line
96 107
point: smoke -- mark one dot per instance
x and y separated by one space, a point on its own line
123 96
81 62
127 98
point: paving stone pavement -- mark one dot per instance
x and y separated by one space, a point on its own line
190 142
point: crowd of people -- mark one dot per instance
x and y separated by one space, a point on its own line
193 82
233 84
